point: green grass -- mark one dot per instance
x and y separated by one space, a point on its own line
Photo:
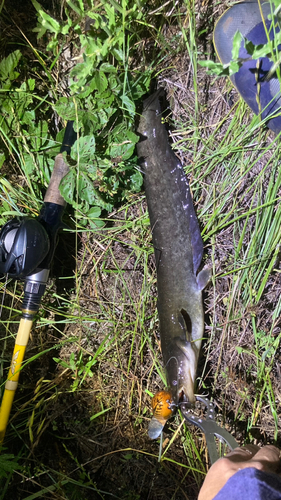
83 405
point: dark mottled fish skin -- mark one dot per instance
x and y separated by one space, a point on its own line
178 251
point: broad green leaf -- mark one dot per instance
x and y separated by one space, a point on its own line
28 117
123 144
118 54
72 363
61 362
52 45
94 16
84 149
96 224
40 30
100 81
233 67
105 100
8 64
49 22
215 68
66 28
7 464
121 140
237 39
267 50
93 48
39 135
249 46
129 105
86 189
137 181
114 5
84 90
114 84
29 164
110 18
90 194
97 119
94 212
31 84
67 186
66 108
132 136
107 68
81 71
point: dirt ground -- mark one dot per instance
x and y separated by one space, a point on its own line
112 456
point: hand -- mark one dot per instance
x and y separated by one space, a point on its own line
266 459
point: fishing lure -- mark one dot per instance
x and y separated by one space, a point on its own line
162 406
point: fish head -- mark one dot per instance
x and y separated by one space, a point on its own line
181 369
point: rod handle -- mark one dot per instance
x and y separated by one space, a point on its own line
59 172
14 373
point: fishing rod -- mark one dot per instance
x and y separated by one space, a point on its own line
27 247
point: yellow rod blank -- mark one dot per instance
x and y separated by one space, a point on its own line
14 373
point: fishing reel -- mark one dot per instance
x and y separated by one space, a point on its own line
24 244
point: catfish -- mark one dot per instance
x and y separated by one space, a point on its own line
178 249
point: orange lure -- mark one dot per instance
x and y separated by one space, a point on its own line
162 406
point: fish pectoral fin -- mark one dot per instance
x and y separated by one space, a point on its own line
203 278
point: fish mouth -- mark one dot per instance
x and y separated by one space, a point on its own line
181 371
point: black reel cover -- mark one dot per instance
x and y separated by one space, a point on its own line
24 243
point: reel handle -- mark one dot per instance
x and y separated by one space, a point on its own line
59 171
